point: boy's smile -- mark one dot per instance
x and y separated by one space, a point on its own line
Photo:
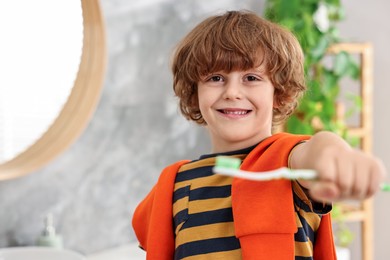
234 112
237 107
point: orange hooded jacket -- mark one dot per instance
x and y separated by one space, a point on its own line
263 212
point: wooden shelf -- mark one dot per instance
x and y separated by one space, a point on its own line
354 213
362 213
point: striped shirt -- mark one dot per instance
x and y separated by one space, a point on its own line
203 217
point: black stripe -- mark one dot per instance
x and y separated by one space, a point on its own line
300 236
209 217
300 203
306 228
318 208
244 151
303 258
181 193
210 192
180 217
321 208
207 246
194 173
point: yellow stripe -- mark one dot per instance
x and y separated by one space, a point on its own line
312 219
301 194
178 228
304 249
225 229
206 162
197 164
226 255
299 223
212 181
179 205
198 206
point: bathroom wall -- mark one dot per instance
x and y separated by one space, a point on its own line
93 188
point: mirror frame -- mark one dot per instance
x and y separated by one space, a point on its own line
80 105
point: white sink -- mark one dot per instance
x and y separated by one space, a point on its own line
38 253
125 252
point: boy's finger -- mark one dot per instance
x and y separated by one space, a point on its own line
361 182
324 191
345 178
378 174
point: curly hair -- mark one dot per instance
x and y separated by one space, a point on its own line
239 41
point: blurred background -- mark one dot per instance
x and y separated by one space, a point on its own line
93 187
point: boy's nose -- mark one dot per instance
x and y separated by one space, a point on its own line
232 91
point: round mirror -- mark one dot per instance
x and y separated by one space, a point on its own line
53 70
40 60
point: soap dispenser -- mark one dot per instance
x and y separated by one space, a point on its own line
49 237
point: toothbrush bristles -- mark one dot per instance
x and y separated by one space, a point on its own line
228 162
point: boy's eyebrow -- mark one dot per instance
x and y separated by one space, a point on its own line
259 70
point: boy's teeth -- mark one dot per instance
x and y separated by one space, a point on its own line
241 112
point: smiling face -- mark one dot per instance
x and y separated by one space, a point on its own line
228 50
237 107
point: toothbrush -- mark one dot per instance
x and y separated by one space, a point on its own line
229 166
385 186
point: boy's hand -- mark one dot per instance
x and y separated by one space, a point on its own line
343 172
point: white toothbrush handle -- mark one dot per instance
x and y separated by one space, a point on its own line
284 172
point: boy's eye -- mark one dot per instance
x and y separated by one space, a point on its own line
252 78
216 78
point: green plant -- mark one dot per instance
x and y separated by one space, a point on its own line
314 23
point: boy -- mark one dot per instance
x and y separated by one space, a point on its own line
239 75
